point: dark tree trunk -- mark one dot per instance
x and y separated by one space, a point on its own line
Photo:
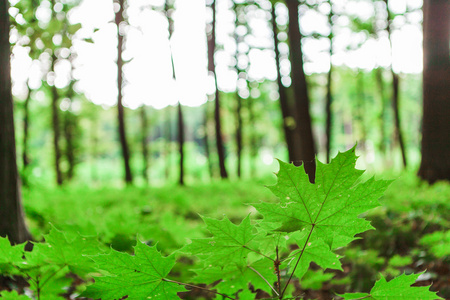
382 120
56 130
301 111
206 141
12 222
180 143
253 138
69 128
120 108
395 94
329 99
360 109
217 117
286 110
238 98
144 143
168 147
179 108
435 164
239 134
26 126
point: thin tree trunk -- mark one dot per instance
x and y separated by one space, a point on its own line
26 123
69 126
12 222
144 143
435 164
306 154
395 93
217 117
180 143
179 108
120 109
168 148
360 109
253 138
206 142
329 99
238 98
286 110
56 130
382 119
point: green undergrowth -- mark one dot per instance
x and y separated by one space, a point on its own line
281 243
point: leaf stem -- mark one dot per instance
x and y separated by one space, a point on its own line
259 274
277 270
197 287
298 260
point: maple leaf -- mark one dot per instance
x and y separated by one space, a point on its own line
12 295
330 207
60 250
234 277
398 288
315 251
140 276
10 255
230 243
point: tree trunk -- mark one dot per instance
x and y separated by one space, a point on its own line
168 147
360 110
26 123
206 141
286 110
181 143
238 111
12 222
382 119
179 109
301 111
329 97
217 117
144 143
435 164
56 128
120 109
253 137
69 128
395 93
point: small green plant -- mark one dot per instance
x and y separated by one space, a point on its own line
266 251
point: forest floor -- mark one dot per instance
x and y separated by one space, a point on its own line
411 233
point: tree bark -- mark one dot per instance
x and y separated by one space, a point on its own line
301 111
144 143
120 109
26 123
206 141
435 164
56 128
238 111
179 108
286 110
329 99
217 116
382 119
12 222
395 93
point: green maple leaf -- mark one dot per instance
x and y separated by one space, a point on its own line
398 288
330 207
234 277
315 251
140 276
12 295
230 243
61 250
10 255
